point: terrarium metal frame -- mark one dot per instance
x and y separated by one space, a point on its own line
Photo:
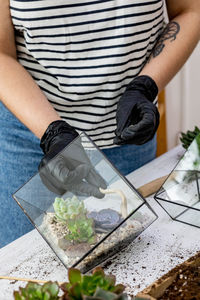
187 174
85 266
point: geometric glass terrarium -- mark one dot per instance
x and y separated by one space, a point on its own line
180 193
81 229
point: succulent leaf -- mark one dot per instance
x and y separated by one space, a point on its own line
17 296
81 229
110 279
104 295
68 209
98 271
76 291
74 275
119 288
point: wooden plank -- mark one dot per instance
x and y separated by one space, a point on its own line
162 131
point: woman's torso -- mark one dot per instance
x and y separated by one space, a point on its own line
83 53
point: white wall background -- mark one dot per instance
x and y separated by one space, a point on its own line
183 99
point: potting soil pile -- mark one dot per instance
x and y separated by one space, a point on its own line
186 285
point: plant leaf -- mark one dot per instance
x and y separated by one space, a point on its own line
75 291
74 275
104 295
110 279
98 271
118 289
51 287
17 296
65 286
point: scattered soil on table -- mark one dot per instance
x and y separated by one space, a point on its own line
187 283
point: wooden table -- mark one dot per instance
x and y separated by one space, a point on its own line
159 248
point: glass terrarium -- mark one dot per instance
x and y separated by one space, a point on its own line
180 194
84 228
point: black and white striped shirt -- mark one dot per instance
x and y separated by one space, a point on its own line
83 53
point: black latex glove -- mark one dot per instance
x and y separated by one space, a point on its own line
137 117
70 169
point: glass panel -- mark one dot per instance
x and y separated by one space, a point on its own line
76 225
191 216
182 187
120 238
191 159
172 209
182 214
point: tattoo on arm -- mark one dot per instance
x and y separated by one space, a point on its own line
169 33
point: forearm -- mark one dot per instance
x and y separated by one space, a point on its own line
23 97
173 48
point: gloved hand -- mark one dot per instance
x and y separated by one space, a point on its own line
70 169
137 117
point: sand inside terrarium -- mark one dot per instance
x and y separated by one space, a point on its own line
70 253
114 208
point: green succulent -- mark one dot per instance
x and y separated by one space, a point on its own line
187 138
35 291
198 141
68 209
81 229
101 294
72 212
97 286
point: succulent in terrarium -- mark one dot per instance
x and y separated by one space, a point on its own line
81 229
67 209
73 214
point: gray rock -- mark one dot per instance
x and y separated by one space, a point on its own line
106 219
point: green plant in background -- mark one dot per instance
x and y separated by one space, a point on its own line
81 229
68 209
198 141
190 161
187 138
35 291
97 286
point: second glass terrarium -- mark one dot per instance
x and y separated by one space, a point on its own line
85 230
180 193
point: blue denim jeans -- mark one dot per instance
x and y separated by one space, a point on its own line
20 155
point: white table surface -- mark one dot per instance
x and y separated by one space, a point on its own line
159 248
